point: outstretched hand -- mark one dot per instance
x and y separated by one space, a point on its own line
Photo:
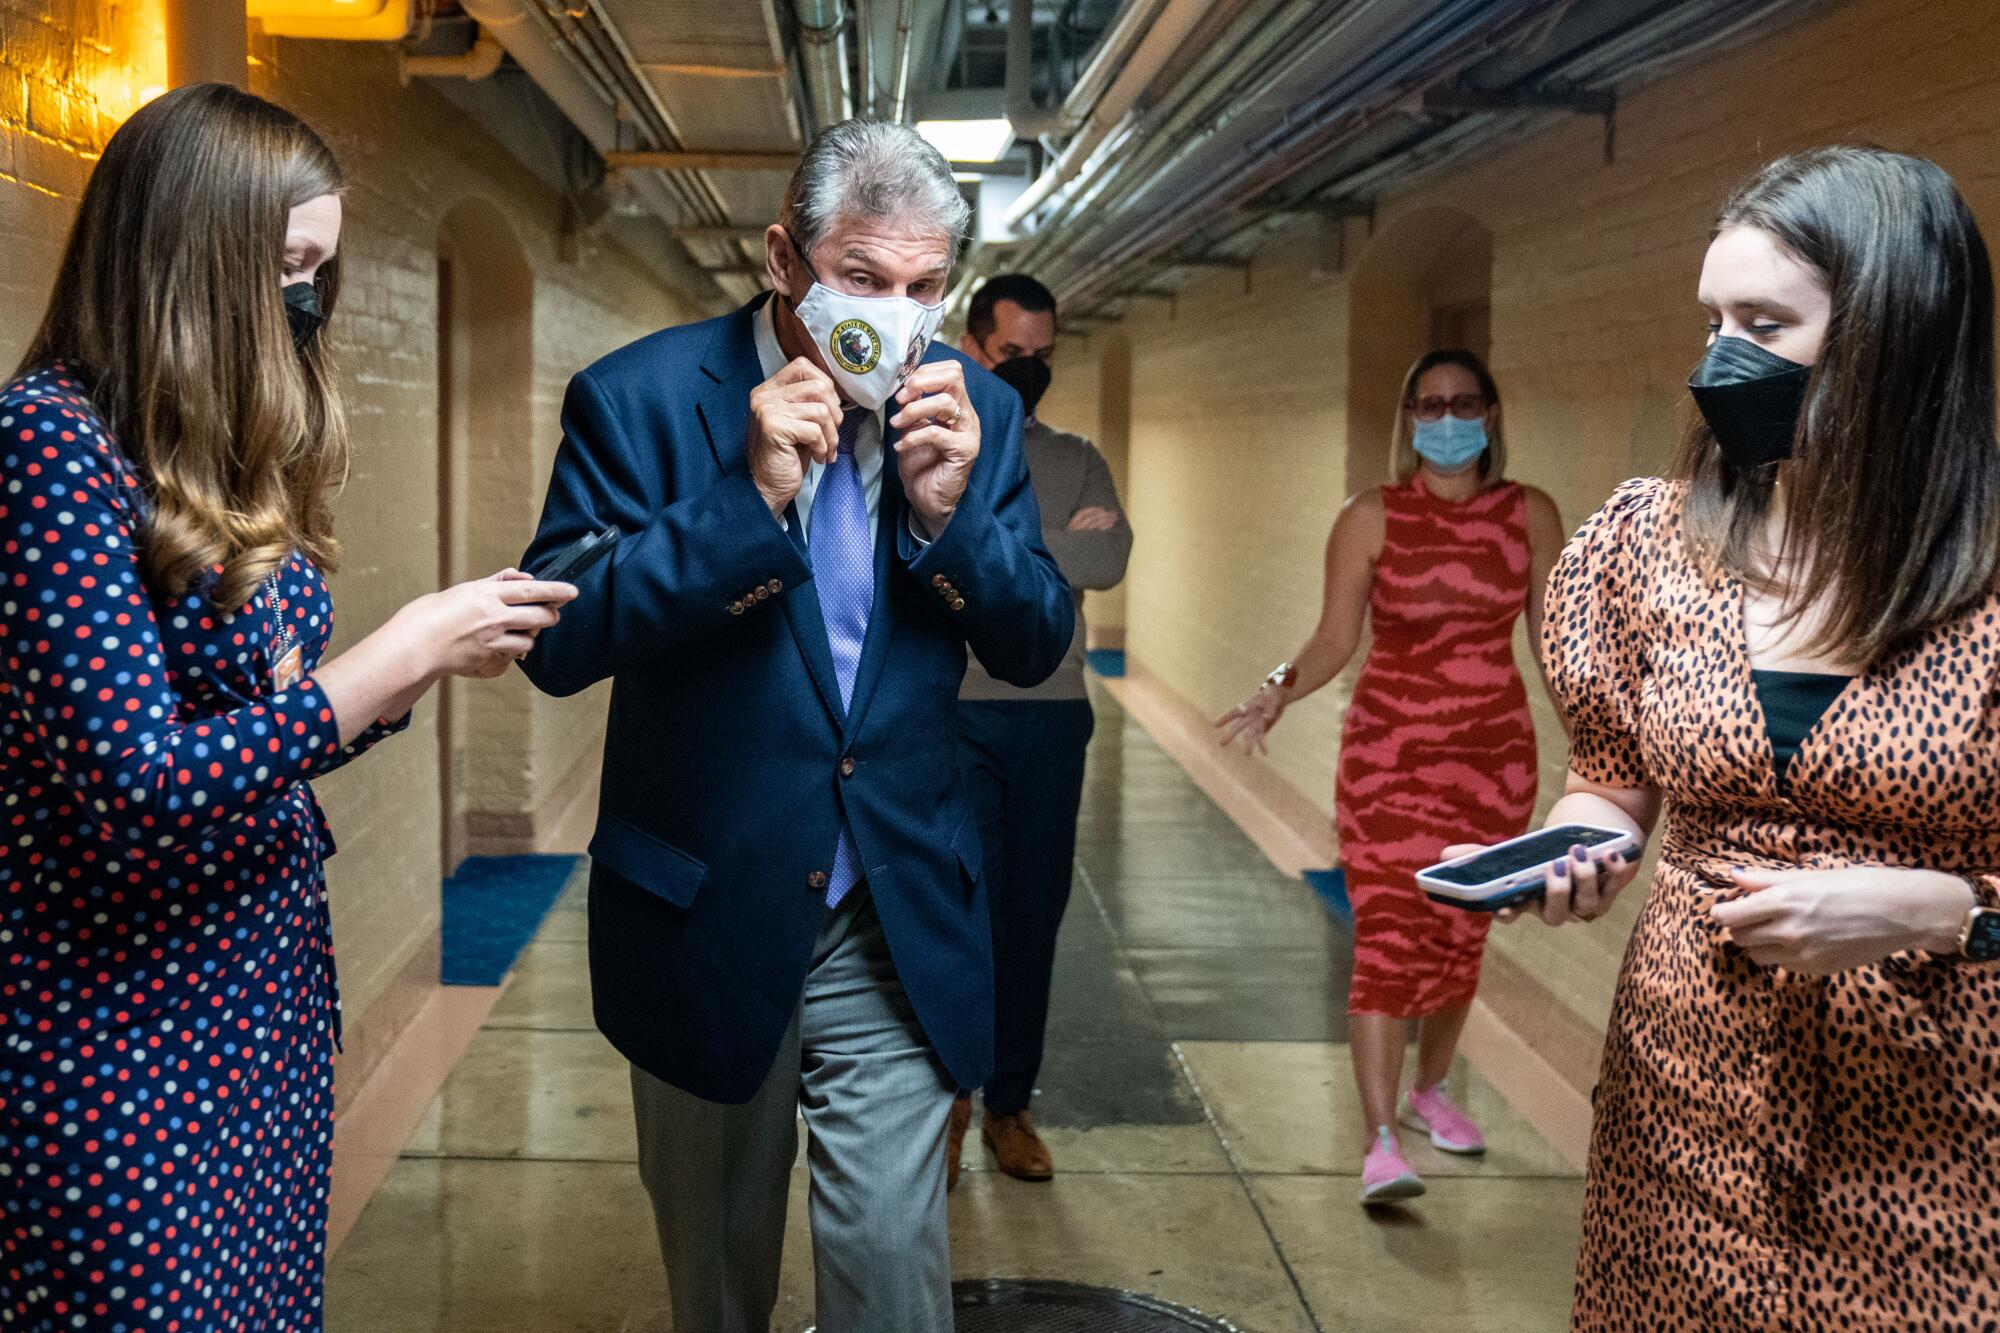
1251 721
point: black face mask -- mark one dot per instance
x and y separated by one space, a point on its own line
1029 376
302 312
1751 399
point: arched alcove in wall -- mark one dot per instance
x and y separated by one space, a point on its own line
1424 282
485 369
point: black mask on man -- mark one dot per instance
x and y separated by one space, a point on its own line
302 312
1751 399
1029 376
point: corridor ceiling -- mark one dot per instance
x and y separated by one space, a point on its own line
1155 139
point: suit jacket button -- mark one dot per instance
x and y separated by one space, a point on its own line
776 585
763 594
847 767
736 608
818 880
938 581
958 603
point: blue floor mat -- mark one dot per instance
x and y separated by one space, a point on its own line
493 906
1107 662
1331 886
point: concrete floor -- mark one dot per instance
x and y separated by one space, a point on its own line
1197 1098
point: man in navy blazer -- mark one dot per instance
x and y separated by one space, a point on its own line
786 910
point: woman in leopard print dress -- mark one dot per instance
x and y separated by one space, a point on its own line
1794 649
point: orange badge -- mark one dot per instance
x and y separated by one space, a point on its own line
290 667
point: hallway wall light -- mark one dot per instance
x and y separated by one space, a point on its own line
341 20
968 140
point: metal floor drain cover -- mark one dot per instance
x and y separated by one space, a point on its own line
1006 1305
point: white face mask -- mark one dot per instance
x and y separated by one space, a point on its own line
869 343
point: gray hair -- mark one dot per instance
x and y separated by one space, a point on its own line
877 170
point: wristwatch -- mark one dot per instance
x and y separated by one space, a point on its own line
1284 676
1979 938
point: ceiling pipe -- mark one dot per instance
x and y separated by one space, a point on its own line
823 54
1189 162
1175 20
1029 121
1134 20
511 23
948 41
478 63
585 33
906 18
1182 116
864 55
1224 174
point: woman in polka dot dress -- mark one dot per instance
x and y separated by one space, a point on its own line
167 1003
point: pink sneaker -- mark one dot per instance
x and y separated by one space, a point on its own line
1385 1176
1429 1110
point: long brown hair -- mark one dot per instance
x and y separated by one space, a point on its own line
1893 489
1403 460
168 305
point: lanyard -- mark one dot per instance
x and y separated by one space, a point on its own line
286 667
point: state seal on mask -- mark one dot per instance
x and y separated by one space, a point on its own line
855 346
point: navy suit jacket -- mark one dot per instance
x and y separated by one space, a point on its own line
729 761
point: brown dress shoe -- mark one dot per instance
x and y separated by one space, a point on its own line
954 1140
1020 1150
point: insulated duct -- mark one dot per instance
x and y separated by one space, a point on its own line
1175 20
558 74
1029 120
823 60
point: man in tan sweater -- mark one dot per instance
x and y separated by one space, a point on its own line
1021 750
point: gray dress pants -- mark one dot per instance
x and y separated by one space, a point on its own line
875 1100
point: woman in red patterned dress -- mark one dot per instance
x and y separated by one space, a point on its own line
1438 737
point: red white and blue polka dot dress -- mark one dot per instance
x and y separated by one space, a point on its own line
168 1012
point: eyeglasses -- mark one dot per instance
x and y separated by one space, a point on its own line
1465 406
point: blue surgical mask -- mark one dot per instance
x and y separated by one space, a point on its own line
1450 443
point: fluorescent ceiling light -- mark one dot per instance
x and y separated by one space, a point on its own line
968 140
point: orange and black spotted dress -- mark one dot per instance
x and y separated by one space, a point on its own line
1775 1151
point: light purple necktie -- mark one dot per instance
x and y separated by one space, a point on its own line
843 565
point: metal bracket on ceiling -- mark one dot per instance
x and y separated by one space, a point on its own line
1330 218
1130 294
1332 210
1459 100
1220 263
1332 257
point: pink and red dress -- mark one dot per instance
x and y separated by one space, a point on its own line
1438 746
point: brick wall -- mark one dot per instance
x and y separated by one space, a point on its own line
68 70
1241 420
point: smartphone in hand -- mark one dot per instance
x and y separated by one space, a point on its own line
1515 872
569 564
